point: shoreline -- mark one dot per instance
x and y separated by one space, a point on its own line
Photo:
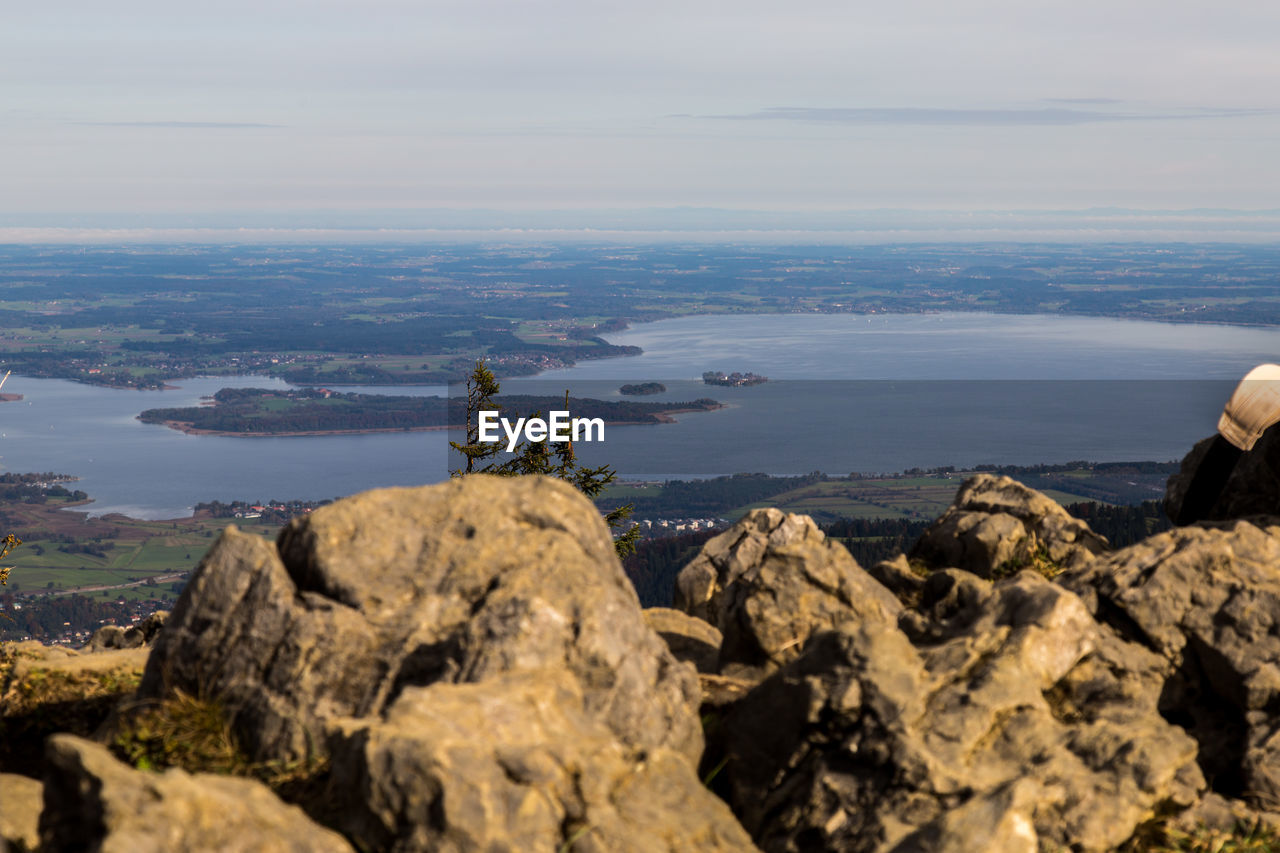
629 322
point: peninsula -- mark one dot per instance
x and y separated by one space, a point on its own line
320 411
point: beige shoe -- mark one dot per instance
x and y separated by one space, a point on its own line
1253 407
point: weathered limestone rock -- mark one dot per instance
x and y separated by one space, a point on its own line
514 764
795 590
115 637
94 802
771 581
458 582
867 741
690 639
1207 601
996 526
21 800
999 822
700 585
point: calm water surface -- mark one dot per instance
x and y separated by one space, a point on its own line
848 393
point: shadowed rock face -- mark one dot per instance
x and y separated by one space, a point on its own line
456 583
94 802
996 526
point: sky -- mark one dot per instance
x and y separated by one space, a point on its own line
386 113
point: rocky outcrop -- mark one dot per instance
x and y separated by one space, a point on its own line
869 742
513 763
1207 601
94 802
700 585
135 636
997 526
460 582
479 676
773 580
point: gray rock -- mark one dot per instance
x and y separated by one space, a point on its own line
110 637
1206 599
867 742
996 526
771 581
514 764
94 802
794 590
690 639
459 582
700 585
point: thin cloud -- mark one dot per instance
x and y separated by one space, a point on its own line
190 124
1091 101
991 118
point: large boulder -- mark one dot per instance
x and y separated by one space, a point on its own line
94 802
460 582
777 580
513 763
970 737
997 526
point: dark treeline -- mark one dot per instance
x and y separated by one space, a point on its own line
656 562
29 493
1123 525
871 540
700 498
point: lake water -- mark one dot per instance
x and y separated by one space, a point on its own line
847 393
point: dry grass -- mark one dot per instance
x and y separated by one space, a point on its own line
1160 837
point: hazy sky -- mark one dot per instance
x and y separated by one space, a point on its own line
230 107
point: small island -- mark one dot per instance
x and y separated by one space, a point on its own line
733 380
643 388
320 411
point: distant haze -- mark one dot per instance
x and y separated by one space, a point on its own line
142 119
